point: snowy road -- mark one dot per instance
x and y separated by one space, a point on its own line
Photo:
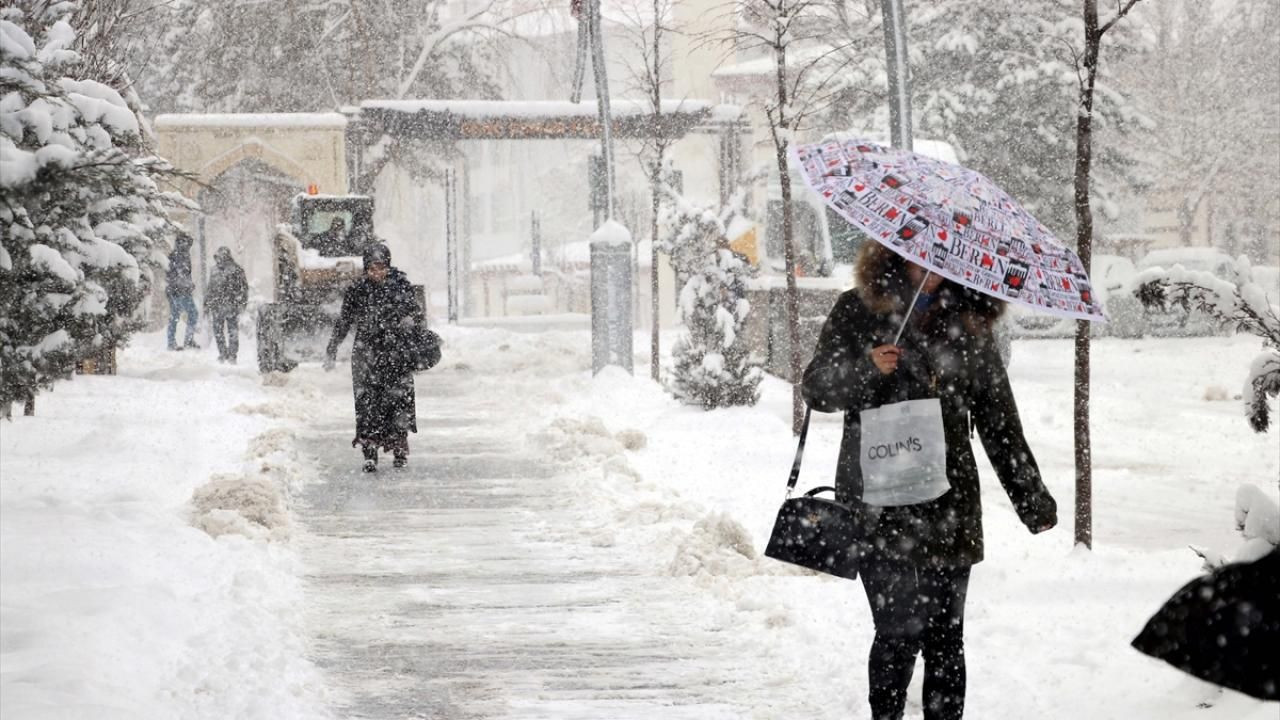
472 585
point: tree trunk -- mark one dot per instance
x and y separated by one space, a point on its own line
655 354
780 142
29 406
1084 246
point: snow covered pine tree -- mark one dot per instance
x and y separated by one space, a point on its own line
713 365
82 220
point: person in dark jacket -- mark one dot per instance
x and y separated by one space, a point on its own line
227 297
179 288
915 559
382 307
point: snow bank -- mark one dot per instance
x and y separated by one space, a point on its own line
114 606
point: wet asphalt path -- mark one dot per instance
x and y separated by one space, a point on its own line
470 585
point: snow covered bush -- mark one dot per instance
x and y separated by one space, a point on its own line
713 365
1246 306
82 218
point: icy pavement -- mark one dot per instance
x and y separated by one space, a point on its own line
473 585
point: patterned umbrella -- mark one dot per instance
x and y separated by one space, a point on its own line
951 220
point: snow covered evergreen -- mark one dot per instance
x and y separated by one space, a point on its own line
83 220
713 364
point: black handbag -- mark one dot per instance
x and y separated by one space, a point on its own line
416 347
425 349
814 532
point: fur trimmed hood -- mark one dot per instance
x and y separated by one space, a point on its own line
883 286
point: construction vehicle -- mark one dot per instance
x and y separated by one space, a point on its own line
317 255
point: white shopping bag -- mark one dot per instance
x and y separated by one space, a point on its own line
904 453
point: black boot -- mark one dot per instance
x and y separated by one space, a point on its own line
370 459
402 458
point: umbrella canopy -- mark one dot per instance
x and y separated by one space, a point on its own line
1224 627
951 220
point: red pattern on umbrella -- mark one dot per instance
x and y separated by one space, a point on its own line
908 202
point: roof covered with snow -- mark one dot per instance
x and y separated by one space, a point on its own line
535 119
333 121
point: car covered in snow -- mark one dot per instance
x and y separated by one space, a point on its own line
1180 322
1112 278
1267 277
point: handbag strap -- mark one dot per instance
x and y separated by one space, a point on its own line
795 466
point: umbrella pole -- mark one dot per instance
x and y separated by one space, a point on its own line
911 308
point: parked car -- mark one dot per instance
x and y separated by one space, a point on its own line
1175 321
1268 278
1112 278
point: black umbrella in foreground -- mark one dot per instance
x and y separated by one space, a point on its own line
1224 628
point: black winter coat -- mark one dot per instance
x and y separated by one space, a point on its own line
943 358
381 373
228 292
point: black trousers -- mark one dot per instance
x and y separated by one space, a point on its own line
226 332
916 609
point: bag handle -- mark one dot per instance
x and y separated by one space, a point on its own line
795 466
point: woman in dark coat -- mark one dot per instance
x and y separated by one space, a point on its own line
382 307
915 560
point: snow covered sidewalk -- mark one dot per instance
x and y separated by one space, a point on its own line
485 581
112 603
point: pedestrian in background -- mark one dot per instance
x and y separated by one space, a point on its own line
227 297
179 288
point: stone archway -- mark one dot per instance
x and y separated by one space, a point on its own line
307 149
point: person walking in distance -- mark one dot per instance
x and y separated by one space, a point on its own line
381 306
180 289
227 297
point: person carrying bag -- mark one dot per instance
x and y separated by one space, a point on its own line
907 473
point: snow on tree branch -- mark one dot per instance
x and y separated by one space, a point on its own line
1245 307
83 220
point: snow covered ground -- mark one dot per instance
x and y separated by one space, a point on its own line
116 606
112 603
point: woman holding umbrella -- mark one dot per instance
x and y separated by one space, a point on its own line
915 559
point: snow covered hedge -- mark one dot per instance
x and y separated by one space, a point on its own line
82 218
1246 306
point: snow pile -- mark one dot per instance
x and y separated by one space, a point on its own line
718 545
587 442
243 504
114 606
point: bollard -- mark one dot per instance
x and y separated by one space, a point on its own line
611 332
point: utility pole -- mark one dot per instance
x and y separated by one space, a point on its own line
895 54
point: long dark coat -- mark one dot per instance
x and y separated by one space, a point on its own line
950 355
381 375
228 292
